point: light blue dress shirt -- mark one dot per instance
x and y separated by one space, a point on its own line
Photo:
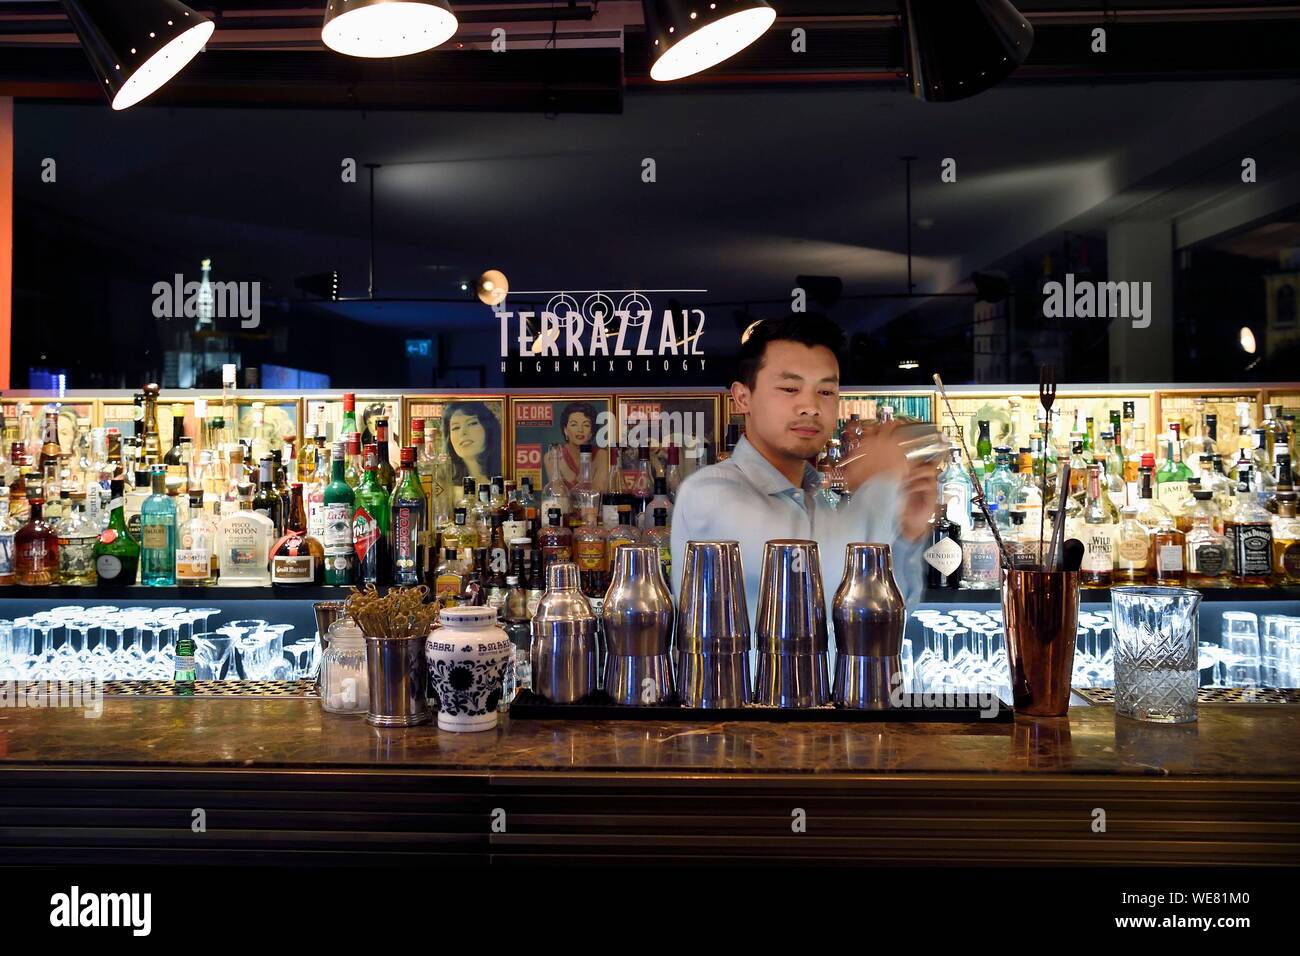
746 499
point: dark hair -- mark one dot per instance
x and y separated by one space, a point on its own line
806 328
579 408
492 427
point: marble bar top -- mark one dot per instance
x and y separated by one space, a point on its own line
1228 741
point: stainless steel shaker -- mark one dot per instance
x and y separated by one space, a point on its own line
869 617
563 649
713 627
638 621
791 627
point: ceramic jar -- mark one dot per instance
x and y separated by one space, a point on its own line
467 658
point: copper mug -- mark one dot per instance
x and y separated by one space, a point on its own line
1040 612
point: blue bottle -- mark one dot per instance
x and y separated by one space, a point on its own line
158 534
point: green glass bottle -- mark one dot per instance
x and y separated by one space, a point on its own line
372 526
339 501
1172 478
117 555
984 447
184 673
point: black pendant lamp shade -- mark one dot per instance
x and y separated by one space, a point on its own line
687 36
137 46
387 28
958 48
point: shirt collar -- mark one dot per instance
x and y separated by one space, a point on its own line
763 474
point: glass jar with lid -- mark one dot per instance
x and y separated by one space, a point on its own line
344 680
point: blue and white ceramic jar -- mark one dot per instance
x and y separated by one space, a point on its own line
467 664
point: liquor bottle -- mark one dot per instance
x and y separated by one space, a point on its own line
498 559
475 593
384 472
245 542
1002 488
956 490
1078 469
1150 513
480 518
151 440
555 541
77 536
497 498
196 546
660 536
355 468
462 534
298 558
1184 512
673 471
371 526
50 449
267 500
1022 541
981 563
172 459
36 545
1207 549
1101 528
117 553
8 528
432 465
1251 534
1132 549
536 587
1286 539
1166 563
516 521
620 535
608 511
184 674
642 487
556 492
1262 481
340 505
1133 460
314 491
349 425
584 498
306 470
18 468
589 554
514 609
158 534
450 581
408 506
659 501
1171 480
496 578
984 447
527 500
943 557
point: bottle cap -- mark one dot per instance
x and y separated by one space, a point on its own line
1202 495
407 457
584 450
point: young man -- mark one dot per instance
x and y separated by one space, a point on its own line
789 393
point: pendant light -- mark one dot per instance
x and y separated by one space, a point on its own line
136 47
687 36
958 48
387 28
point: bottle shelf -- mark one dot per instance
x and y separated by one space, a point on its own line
61 594
956 596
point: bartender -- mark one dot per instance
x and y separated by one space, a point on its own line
788 391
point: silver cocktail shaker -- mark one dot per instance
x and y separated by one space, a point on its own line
713 627
563 649
869 617
791 627
638 620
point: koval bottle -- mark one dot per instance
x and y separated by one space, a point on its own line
981 563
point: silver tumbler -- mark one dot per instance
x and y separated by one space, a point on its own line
638 619
713 627
869 617
791 627
563 649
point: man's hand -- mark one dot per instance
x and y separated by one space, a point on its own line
881 454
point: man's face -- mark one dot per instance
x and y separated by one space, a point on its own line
795 400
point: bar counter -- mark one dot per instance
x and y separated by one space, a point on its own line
278 780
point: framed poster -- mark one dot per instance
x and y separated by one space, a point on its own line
27 417
279 423
689 421
547 432
474 430
327 414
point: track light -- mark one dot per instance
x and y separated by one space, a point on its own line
387 28
958 48
135 48
687 36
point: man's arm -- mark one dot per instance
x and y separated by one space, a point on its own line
695 512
